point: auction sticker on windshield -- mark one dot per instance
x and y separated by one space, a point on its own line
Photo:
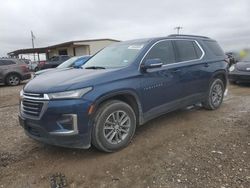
135 47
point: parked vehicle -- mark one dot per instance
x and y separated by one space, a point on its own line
31 64
231 59
13 71
75 62
53 62
240 72
121 87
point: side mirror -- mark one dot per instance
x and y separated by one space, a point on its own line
151 63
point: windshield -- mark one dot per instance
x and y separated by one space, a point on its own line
69 63
115 56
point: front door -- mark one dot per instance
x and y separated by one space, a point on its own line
161 87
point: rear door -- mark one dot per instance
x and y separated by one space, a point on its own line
192 69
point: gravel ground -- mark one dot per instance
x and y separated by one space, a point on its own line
186 148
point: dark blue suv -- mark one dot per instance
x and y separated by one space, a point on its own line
121 87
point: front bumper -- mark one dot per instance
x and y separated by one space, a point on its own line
239 76
49 128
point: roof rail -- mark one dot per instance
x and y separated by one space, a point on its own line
177 35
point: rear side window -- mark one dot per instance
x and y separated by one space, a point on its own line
187 50
65 58
54 58
6 62
164 51
214 47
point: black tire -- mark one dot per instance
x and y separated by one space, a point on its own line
13 79
36 69
101 121
211 104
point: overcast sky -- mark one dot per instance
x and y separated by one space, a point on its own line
56 21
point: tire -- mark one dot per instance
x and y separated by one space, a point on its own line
215 95
109 135
13 80
36 69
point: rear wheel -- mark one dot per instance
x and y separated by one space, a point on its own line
13 80
215 95
114 126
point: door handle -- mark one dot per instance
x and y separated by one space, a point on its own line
206 65
176 71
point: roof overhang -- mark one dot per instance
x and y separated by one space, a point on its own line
61 45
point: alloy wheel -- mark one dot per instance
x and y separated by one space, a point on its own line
14 80
217 94
116 127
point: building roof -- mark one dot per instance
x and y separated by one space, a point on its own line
45 49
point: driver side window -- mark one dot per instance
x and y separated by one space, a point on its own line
164 51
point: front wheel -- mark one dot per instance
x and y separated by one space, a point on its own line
215 95
114 126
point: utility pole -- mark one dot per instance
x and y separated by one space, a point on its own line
32 40
178 28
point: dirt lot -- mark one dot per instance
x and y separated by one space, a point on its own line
186 148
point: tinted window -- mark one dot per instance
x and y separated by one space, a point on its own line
187 50
214 47
6 62
163 51
55 58
65 57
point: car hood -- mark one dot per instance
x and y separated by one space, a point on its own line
243 66
51 70
43 71
68 80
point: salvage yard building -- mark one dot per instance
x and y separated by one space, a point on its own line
71 48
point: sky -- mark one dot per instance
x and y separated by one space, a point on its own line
57 21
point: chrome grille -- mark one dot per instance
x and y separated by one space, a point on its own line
33 104
32 107
34 95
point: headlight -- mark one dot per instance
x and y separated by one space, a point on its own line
74 94
232 68
21 95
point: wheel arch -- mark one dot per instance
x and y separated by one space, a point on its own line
9 73
127 96
222 74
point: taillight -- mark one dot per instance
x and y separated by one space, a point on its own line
25 68
41 63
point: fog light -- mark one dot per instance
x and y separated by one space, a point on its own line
67 125
65 122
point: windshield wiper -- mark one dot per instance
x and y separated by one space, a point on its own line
95 67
